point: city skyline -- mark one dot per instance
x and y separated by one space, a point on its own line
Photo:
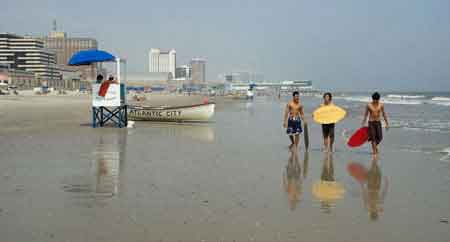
65 46
198 66
355 45
28 54
162 61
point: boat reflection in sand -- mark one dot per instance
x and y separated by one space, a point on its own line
195 131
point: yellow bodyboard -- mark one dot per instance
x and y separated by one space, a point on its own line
328 190
329 114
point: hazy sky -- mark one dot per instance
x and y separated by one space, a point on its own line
343 44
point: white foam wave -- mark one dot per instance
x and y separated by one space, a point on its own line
446 152
397 96
366 99
355 98
402 101
441 103
445 99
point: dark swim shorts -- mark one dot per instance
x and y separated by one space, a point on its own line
375 131
294 126
328 130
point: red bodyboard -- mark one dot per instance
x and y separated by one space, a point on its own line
357 171
359 137
103 89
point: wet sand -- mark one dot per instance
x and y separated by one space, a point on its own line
230 180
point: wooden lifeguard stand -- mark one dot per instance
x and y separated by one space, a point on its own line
110 108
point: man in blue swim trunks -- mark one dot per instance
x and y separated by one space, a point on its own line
293 115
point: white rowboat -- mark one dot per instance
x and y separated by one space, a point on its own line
200 112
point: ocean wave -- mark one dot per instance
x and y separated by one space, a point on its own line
402 101
446 152
434 126
445 99
354 98
397 96
441 103
366 99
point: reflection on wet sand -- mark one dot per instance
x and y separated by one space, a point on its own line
305 164
328 190
292 177
108 157
106 169
371 182
199 132
372 193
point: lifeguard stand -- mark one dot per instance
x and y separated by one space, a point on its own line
111 107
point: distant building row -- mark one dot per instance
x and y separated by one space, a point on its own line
242 76
35 61
161 61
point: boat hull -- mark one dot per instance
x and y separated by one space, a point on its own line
201 112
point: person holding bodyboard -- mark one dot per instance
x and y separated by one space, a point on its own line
328 115
328 129
375 110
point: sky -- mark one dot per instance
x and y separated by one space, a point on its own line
341 45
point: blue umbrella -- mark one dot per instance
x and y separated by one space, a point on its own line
86 57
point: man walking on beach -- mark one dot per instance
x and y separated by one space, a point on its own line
375 109
327 129
293 115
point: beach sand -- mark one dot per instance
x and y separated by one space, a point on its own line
232 179
50 113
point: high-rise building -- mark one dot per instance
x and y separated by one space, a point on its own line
28 54
183 72
65 47
163 61
198 70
